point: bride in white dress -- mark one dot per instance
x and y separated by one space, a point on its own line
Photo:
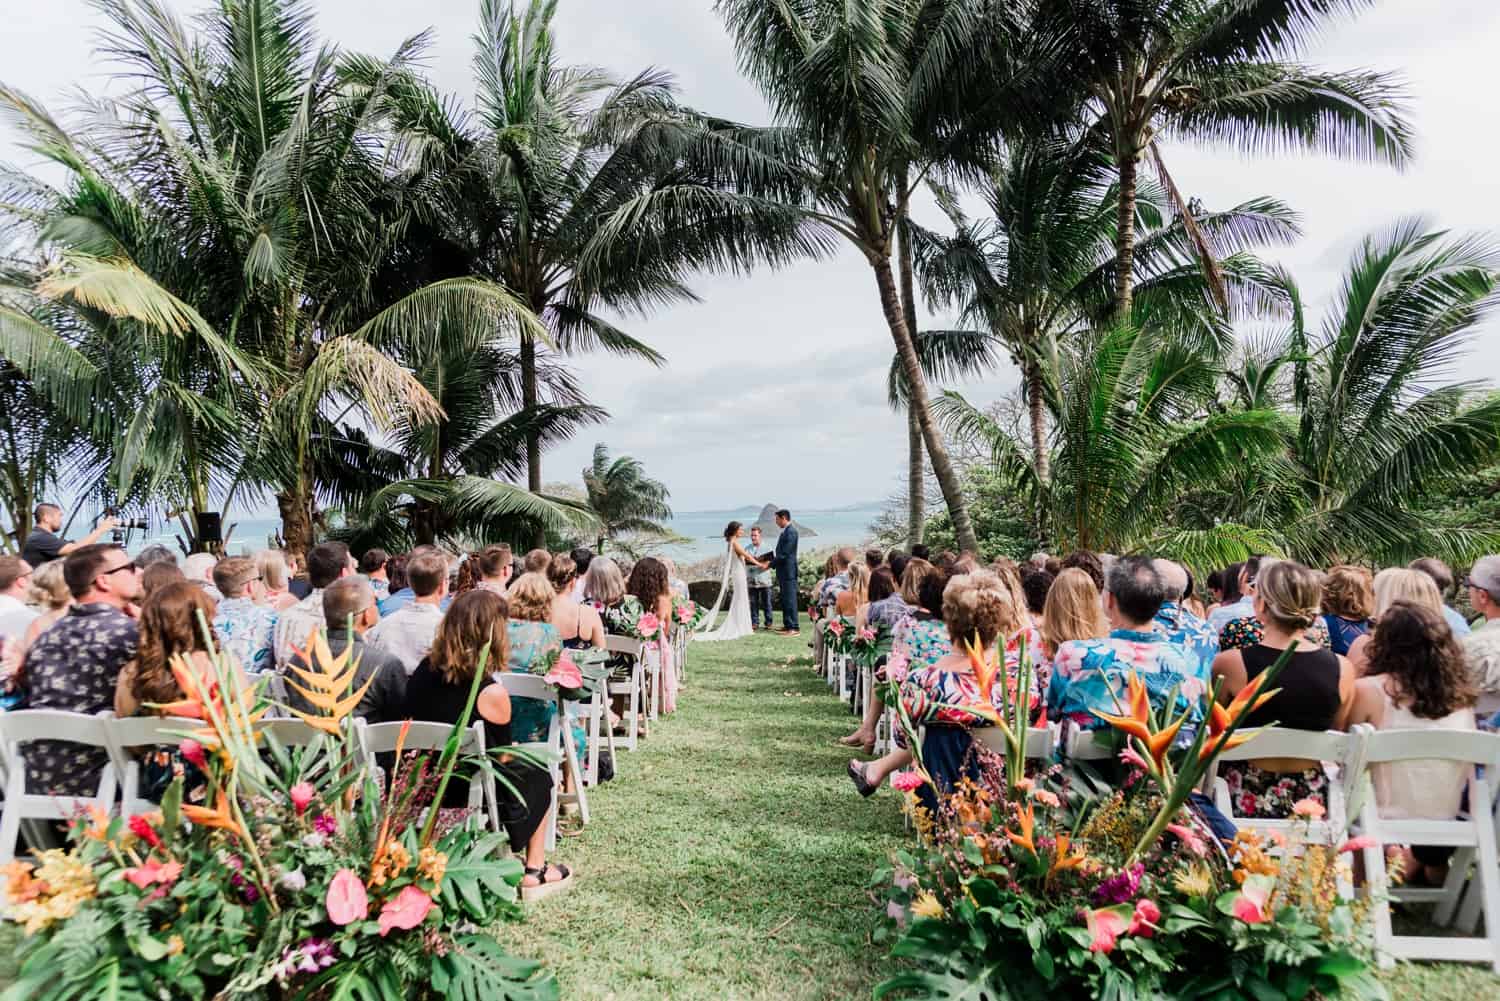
737 622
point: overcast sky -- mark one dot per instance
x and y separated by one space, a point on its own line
775 388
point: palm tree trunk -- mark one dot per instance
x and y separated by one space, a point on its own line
916 480
1125 235
906 350
533 438
296 522
1036 389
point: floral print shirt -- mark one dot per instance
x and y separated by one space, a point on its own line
828 592
952 698
1090 674
1193 634
531 643
247 631
74 666
922 640
1240 633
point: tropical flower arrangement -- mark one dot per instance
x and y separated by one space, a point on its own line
838 634
869 645
300 878
1024 888
688 614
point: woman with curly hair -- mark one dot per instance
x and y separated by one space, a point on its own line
652 587
1348 603
1417 678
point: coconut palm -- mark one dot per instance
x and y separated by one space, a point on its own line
1217 72
623 498
869 99
1040 266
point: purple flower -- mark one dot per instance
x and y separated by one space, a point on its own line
1121 887
324 823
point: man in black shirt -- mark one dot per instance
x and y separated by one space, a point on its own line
44 545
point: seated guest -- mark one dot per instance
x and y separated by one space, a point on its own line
882 588
921 552
922 639
826 596
271 565
157 576
890 613
1035 583
1483 644
1074 611
581 557
536 561
408 633
74 665
244 628
298 582
1348 603
438 690
1239 597
650 585
1248 630
1091 674
604 592
1395 584
1442 576
496 565
372 567
349 611
849 602
154 553
1215 590
1417 679
468 576
401 593
887 612
16 616
199 569
532 641
676 584
1089 563
49 593
326 563
1190 599
874 559
1315 691
579 625
1181 626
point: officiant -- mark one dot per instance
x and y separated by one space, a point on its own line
759 581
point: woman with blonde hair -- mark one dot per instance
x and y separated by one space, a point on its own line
1348 604
1073 612
271 565
851 603
1392 585
1315 690
49 591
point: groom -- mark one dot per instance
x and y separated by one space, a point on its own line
785 564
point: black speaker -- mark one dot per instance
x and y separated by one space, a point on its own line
210 528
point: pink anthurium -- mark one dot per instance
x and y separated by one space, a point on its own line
1106 924
565 674
405 910
1251 904
346 902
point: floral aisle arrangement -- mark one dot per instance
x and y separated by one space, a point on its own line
298 878
688 614
1023 889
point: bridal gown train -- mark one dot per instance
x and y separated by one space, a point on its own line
737 622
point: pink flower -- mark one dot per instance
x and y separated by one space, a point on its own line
1143 922
1189 837
1106 925
1132 757
906 781
141 828
324 823
192 752
836 626
1046 798
1309 808
405 910
1250 905
565 674
896 913
685 612
648 625
1358 844
346 902
1025 785
867 635
302 795
164 873
897 667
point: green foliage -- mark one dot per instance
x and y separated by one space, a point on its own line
623 499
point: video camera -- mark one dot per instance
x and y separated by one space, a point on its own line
117 534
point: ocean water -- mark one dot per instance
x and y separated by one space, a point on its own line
704 531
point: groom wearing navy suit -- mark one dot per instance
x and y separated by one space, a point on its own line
785 564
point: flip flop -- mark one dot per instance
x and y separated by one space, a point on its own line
857 776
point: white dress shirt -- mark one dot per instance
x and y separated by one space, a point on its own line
15 617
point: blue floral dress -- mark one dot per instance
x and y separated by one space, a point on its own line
922 639
531 645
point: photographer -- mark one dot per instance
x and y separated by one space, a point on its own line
43 544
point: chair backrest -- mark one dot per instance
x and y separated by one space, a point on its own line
23 725
152 731
526 686
380 738
1040 740
1472 746
1274 742
623 644
1092 745
290 732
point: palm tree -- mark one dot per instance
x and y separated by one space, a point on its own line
1217 71
1041 266
1378 427
567 186
870 98
623 498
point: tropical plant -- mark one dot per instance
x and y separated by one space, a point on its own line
623 498
869 99
1216 72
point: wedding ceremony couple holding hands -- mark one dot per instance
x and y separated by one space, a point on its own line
747 576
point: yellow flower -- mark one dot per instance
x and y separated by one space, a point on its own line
432 864
175 945
328 680
61 883
1194 881
926 906
390 863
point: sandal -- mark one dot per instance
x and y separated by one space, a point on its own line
546 887
857 776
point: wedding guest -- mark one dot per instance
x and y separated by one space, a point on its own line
883 591
16 616
1091 674
874 559
198 568
168 629
1348 603
1190 599
857 596
496 564
159 575
1035 583
648 583
578 624
676 584
921 552
1482 646
533 642
74 665
536 561
403 595
604 589
923 639
297 578
1442 576
468 576
887 610
1242 605
407 634
1089 563
1315 690
438 690
1074 611
49 593
1395 584
271 565
838 582
349 613
372 566
326 563
1417 678
154 553
1215 585
244 628
1181 626
582 556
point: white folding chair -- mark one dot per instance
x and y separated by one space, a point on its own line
1473 835
651 665
127 737
22 726
1090 745
290 731
1040 740
272 686
558 746
1343 750
381 738
631 689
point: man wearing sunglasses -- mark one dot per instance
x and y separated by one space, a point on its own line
74 665
15 614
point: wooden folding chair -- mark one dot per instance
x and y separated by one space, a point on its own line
632 689
22 726
1473 835
380 738
127 737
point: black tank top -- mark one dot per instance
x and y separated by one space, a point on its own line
1309 688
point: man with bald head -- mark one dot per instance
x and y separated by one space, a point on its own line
1182 627
348 611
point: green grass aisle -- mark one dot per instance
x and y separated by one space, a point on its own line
730 857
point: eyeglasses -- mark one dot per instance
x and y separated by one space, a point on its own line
123 566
